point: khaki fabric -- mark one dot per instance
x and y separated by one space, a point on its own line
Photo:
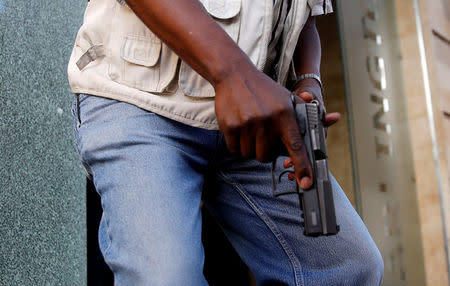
280 9
118 57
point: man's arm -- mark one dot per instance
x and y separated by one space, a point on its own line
307 57
187 28
253 111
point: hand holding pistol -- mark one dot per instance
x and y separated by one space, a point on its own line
316 202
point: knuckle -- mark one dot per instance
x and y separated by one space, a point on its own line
248 119
278 110
232 126
281 109
301 172
265 117
296 144
302 168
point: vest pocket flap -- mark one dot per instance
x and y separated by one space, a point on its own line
144 51
193 84
222 9
226 14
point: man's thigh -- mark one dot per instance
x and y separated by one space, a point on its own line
148 172
266 230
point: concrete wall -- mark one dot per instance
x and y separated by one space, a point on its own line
42 205
439 35
427 131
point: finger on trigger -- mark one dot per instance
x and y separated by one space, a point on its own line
297 151
291 176
288 163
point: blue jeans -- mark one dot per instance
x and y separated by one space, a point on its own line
150 172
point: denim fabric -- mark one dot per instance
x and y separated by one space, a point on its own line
152 174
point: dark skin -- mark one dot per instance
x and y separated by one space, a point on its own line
307 58
254 112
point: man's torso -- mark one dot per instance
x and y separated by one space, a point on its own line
118 57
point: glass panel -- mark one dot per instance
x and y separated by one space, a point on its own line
338 139
381 148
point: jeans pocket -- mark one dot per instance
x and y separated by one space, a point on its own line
76 112
79 98
82 97
76 129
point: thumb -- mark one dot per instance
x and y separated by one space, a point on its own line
331 118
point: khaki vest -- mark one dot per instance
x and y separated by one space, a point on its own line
118 57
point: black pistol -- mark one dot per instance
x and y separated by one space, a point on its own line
317 202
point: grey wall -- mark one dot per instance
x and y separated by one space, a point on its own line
42 202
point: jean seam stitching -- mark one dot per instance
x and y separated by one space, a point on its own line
75 131
296 265
91 174
77 142
108 232
86 166
78 111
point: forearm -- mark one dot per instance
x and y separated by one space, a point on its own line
186 27
307 57
254 112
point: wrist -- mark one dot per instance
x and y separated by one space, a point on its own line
228 64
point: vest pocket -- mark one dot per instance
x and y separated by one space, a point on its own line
147 64
226 14
141 50
138 58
